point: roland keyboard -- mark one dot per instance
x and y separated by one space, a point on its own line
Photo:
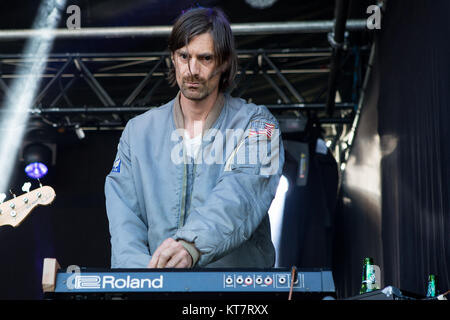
185 283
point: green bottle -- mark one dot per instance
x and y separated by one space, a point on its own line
431 290
368 282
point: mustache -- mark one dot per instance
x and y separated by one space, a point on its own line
201 80
194 79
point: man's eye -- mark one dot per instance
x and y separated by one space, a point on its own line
183 56
208 58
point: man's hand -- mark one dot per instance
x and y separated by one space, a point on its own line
170 254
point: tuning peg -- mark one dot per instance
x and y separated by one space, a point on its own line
26 187
2 197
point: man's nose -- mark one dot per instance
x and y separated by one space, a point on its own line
194 67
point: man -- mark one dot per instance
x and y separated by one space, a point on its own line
202 201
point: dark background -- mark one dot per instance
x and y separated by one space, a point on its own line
401 141
393 197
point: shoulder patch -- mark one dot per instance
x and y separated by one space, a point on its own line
116 166
261 127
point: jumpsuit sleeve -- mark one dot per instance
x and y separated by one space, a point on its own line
242 196
127 225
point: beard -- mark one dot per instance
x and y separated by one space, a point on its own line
196 88
197 92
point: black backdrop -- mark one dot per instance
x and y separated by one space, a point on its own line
414 106
403 218
73 229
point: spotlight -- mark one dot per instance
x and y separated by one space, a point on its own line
38 150
276 211
79 132
23 89
36 170
260 4
37 157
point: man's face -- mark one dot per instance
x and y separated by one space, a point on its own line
196 69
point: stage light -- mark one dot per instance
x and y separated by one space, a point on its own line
79 132
261 4
37 158
13 124
276 211
36 170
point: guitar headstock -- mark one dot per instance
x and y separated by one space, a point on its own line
14 211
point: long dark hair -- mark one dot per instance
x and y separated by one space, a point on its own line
200 20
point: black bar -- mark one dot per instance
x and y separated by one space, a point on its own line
117 109
338 38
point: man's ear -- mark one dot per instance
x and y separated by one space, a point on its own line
224 66
221 69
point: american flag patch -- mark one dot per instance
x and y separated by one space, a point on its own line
261 128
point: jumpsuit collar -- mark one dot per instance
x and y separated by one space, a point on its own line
210 119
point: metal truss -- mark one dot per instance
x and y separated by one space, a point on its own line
101 91
147 71
238 29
